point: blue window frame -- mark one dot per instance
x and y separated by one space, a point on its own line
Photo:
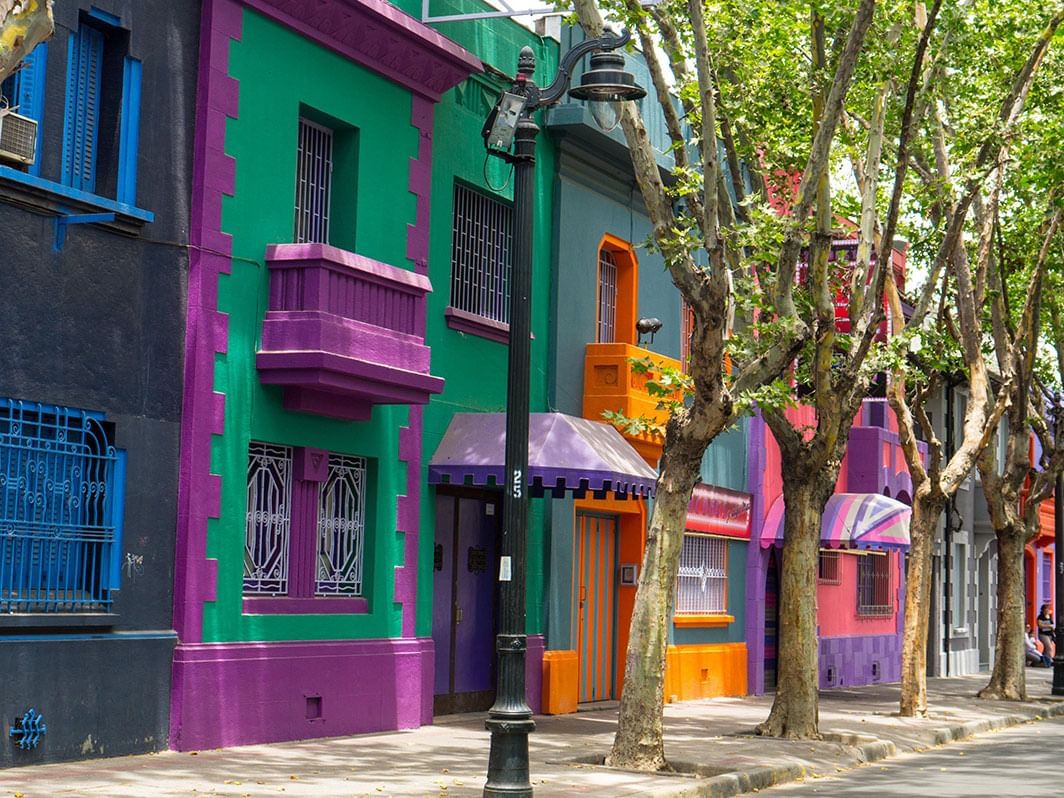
102 108
24 91
61 504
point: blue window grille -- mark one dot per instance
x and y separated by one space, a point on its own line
24 91
61 502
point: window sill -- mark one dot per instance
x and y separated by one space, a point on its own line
58 620
49 197
716 619
471 323
283 605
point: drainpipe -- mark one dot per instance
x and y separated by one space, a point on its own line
951 509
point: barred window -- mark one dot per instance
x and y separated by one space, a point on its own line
314 168
607 297
306 523
61 481
873 584
702 584
341 527
482 233
828 568
269 519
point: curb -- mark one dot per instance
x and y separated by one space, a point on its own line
742 781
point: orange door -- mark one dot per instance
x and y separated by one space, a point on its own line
595 591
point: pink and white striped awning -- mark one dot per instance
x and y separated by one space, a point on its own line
851 520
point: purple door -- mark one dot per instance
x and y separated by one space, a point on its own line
463 616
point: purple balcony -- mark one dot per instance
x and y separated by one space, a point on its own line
343 332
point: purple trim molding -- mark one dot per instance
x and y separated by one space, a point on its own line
244 693
206 328
379 36
471 323
314 605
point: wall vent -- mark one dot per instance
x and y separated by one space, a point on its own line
18 137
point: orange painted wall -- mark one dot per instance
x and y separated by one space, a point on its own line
632 515
705 671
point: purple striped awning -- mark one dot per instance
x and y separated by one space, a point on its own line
565 453
851 520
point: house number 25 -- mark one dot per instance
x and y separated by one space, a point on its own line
515 485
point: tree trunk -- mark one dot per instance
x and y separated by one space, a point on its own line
639 742
1008 681
926 510
795 709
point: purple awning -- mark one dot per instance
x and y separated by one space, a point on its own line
565 453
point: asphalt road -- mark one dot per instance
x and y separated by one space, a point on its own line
1020 761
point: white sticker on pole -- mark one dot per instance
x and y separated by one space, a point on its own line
505 571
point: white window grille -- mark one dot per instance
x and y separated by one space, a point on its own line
607 297
829 570
702 584
873 584
341 527
313 183
269 519
482 233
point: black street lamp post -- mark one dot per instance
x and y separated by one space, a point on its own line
510 718
1058 604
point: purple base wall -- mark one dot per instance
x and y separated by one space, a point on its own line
856 661
534 672
244 693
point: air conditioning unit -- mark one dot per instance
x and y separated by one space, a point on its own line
18 137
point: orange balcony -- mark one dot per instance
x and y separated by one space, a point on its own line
611 383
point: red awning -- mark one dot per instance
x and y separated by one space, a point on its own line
719 511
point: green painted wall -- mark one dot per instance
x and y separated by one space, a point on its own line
379 208
724 463
734 632
474 368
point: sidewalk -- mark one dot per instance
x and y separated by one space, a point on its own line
448 759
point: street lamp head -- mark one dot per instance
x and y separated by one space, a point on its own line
605 86
647 326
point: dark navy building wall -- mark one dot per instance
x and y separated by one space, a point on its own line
98 325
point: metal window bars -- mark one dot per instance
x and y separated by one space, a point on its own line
702 583
341 527
59 508
607 298
269 519
482 232
313 183
829 571
873 584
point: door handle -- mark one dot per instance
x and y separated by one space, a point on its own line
457 614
